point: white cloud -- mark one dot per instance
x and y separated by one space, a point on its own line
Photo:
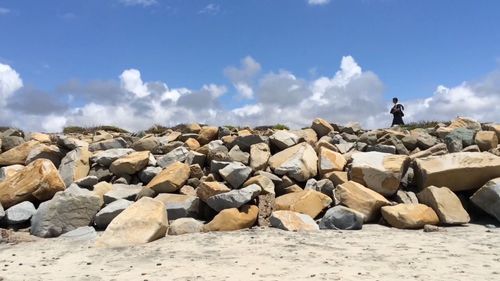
10 81
144 3
318 2
131 81
210 9
242 77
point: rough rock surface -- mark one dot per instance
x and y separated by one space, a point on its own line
298 162
308 202
409 215
292 221
185 226
488 198
179 205
362 199
130 164
445 203
340 217
75 165
171 179
234 198
233 219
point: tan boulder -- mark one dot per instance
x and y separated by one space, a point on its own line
264 182
459 122
75 165
410 216
43 138
147 143
142 222
192 144
337 177
321 127
102 188
330 161
208 189
18 154
259 155
293 221
362 199
445 203
193 128
458 171
38 181
130 164
486 140
379 171
207 134
299 162
309 202
170 179
495 128
10 170
233 219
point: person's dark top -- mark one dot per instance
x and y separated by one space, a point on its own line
397 112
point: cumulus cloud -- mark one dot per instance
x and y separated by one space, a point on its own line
10 81
144 3
131 81
242 77
318 2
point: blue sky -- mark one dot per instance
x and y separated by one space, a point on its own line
412 47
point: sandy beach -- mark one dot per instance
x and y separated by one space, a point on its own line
375 253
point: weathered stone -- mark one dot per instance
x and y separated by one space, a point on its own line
102 188
106 157
259 155
405 197
245 142
458 139
381 172
148 143
235 174
424 140
488 198
180 206
207 134
194 157
148 174
121 191
10 170
340 217
209 189
188 190
321 127
177 155
410 216
233 219
75 165
237 155
185 226
459 122
362 199
308 202
264 182
445 203
87 182
308 135
171 179
337 177
486 140
66 211
18 154
20 213
192 143
298 162
83 233
142 222
233 198
438 149
37 181
265 203
330 161
71 143
292 221
43 138
410 142
472 148
457 171
104 217
130 164
283 139
9 142
2 212
108 144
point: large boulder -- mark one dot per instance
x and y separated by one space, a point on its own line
445 203
108 144
9 142
292 221
308 202
121 191
68 210
179 205
142 222
171 179
185 226
19 213
340 217
321 127
486 140
330 161
75 165
104 217
379 171
299 162
178 154
207 134
264 182
131 163
361 199
283 139
259 155
233 219
210 188
234 198
147 143
106 157
458 139
457 171
38 181
10 170
488 198
18 154
235 174
51 152
410 216
237 155
459 122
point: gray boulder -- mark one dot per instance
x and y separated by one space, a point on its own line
237 155
179 154
148 174
9 142
108 213
106 157
20 213
84 233
180 205
66 211
488 198
235 174
458 139
87 182
122 191
108 144
340 217
234 198
283 139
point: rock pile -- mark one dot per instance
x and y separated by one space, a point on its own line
140 187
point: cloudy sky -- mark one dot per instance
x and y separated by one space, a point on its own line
134 63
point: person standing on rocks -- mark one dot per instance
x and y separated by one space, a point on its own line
397 112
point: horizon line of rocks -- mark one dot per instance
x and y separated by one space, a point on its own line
137 189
